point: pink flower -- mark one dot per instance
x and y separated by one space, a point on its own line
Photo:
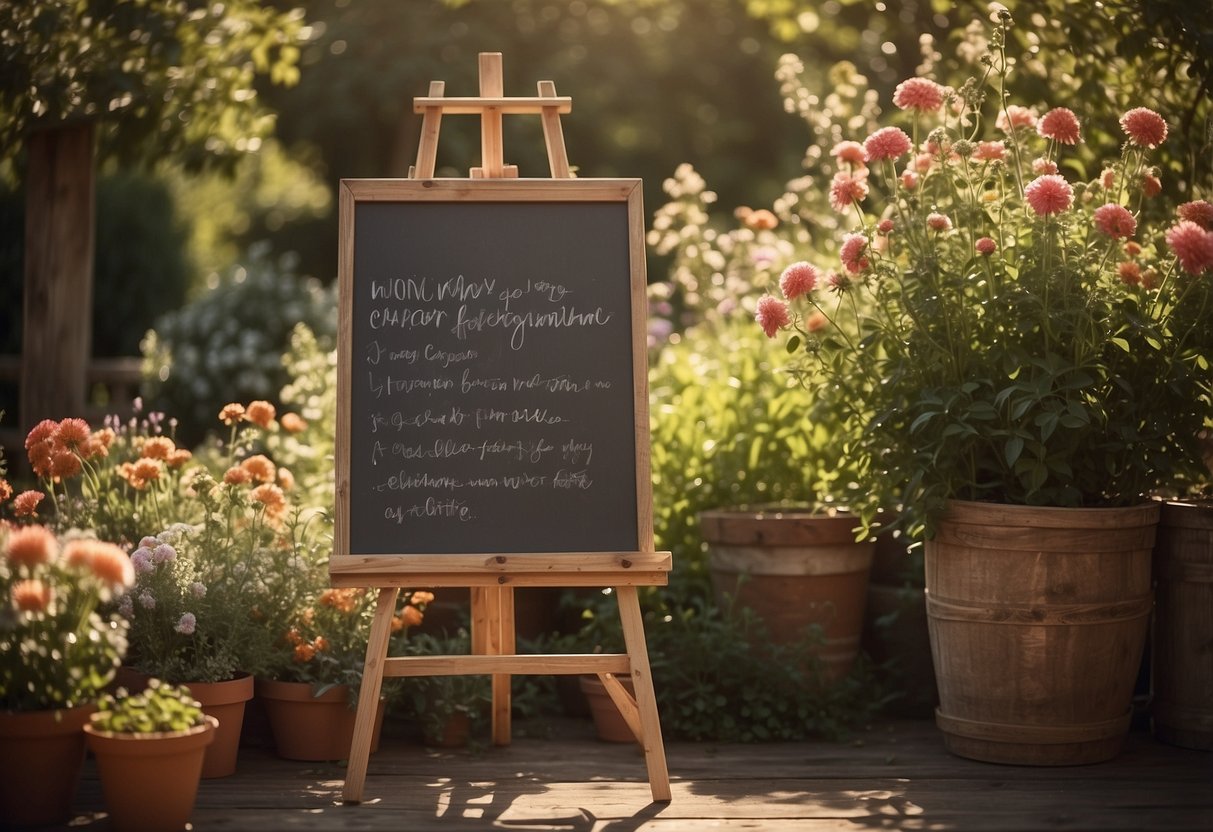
1191 245
920 94
852 153
990 152
1015 116
1129 272
1049 194
838 282
909 180
985 246
772 315
1043 166
817 321
1107 179
1144 127
887 143
846 189
1150 185
1199 211
851 253
1060 125
187 624
938 222
1115 220
798 279
885 226
922 162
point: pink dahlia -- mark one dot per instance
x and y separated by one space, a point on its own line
1115 220
1042 166
852 153
1107 179
1060 125
887 143
798 279
1144 127
990 152
1198 211
851 253
920 94
985 246
1191 245
1049 194
938 222
846 190
1015 116
1151 185
772 315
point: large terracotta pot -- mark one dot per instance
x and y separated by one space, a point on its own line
795 569
308 727
150 781
609 724
225 701
1038 619
40 757
1182 658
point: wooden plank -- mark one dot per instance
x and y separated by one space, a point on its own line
646 699
640 375
558 563
506 644
492 85
427 146
347 197
494 190
624 702
434 580
553 135
540 665
368 696
514 105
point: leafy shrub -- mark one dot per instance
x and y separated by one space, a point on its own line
228 344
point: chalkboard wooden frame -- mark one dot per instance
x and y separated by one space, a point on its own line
641 567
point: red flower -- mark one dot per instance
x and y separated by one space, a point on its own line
1115 220
1144 127
1060 125
1198 211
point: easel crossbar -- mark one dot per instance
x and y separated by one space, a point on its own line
559 665
535 105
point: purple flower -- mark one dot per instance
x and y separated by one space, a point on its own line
146 600
198 589
142 561
164 553
187 624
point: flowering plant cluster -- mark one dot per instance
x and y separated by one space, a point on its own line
998 327
159 708
58 648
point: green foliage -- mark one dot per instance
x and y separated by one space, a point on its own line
729 428
432 700
227 345
160 708
163 76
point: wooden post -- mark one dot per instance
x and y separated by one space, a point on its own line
368 701
58 304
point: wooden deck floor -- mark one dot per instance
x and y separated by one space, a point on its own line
894 775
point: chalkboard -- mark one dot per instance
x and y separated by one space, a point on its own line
492 393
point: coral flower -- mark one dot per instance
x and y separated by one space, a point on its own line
158 447
1060 125
44 431
108 563
260 413
1151 185
260 468
65 464
73 433
144 471
1144 127
6 490
772 315
846 189
231 413
1132 249
25 504
31 595
985 246
838 282
1043 166
293 423
1115 220
1129 272
851 153
31 546
304 653
920 94
798 279
179 457
411 616
1049 194
1107 179
271 497
909 180
236 476
885 226
1191 245
1198 211
761 220
286 480
816 322
990 152
887 143
851 252
938 222
1015 116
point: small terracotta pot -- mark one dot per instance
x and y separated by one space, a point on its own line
225 701
609 724
455 732
310 727
40 757
150 781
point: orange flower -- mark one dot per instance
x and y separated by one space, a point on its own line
236 476
40 458
422 596
6 490
25 504
342 600
260 468
179 457
271 497
286 480
31 596
73 433
158 447
44 431
65 464
145 471
293 636
321 643
397 623
411 616
260 413
32 545
293 423
109 563
98 444
760 220
304 653
231 413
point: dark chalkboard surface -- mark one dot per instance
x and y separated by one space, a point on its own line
493 392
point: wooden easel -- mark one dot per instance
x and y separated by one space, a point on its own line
492 578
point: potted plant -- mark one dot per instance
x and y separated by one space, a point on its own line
448 708
1024 362
59 648
149 748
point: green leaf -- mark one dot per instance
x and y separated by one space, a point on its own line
793 344
1013 449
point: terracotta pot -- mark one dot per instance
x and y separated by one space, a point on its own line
150 781
1038 618
308 727
454 733
1182 659
609 724
795 569
40 757
225 701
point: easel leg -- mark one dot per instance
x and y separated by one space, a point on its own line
368 695
493 635
646 699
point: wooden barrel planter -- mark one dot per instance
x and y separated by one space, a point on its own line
1182 667
1038 618
794 569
